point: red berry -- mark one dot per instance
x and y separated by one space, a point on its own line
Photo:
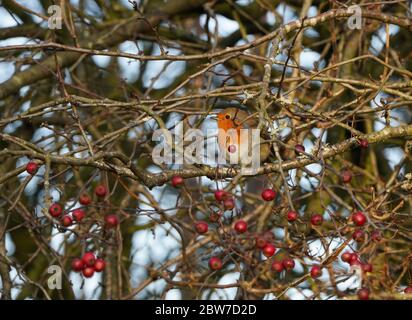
201 227
316 219
346 176
358 236
288 264
376 236
67 221
268 194
77 264
366 267
89 259
260 242
228 204
359 218
215 263
299 148
177 181
363 143
84 199
100 191
408 290
88 272
78 214
220 195
363 294
215 216
232 148
346 256
277 266
354 259
316 271
99 265
55 210
268 250
291 216
240 226
31 167
111 220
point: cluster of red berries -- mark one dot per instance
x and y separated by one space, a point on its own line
268 249
215 263
88 264
225 198
350 257
239 226
316 219
264 243
77 215
316 270
353 259
286 264
359 219
359 235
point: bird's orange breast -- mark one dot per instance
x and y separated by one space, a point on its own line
223 136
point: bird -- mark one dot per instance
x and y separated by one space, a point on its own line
234 144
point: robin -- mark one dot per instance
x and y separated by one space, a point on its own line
236 138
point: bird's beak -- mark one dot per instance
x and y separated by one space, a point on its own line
213 117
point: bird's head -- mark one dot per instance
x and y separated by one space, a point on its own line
228 118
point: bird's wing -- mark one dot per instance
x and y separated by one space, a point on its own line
244 119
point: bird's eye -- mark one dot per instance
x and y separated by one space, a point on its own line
227 116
